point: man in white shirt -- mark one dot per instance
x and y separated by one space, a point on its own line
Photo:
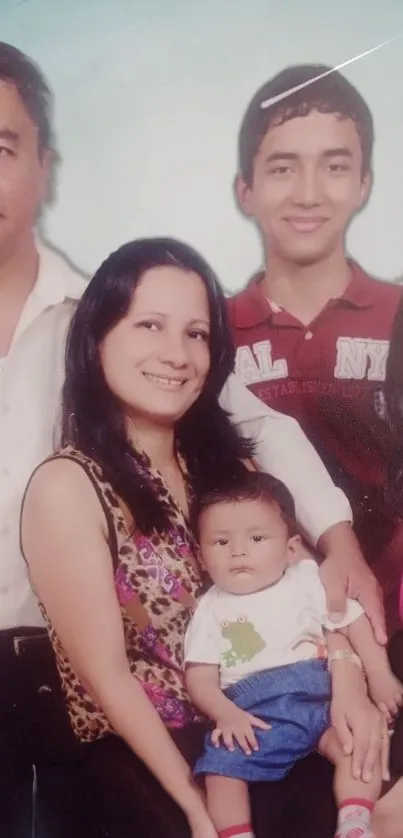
38 292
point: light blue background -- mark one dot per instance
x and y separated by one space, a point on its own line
149 97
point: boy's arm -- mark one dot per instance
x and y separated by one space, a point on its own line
282 449
231 723
203 684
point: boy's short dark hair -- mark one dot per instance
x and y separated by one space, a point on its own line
330 93
20 71
252 485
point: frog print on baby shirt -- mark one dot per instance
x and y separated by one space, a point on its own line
245 641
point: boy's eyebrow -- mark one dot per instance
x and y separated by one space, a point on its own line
342 151
10 136
281 155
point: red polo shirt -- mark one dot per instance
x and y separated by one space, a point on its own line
328 375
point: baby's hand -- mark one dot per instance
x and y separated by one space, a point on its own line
386 691
237 724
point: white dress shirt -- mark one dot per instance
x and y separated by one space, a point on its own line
283 450
31 380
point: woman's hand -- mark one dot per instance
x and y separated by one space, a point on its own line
345 573
361 727
201 826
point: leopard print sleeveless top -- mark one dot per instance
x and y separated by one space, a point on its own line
157 583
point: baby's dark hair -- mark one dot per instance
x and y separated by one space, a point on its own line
251 485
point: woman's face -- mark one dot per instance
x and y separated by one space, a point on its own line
156 359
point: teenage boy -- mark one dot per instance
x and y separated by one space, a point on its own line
312 328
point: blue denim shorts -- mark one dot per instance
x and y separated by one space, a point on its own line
295 701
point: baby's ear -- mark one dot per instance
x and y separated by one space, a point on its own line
294 549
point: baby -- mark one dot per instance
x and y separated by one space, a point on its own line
257 663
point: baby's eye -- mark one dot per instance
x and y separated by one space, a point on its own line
221 542
258 538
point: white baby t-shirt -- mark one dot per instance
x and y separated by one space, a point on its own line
248 633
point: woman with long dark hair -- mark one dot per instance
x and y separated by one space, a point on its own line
107 536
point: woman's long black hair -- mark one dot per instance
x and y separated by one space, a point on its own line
394 409
93 421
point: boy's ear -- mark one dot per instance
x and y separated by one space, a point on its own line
294 549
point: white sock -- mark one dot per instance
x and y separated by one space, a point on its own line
354 820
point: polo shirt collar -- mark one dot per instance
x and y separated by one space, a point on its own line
252 308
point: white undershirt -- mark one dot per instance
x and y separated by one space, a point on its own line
250 633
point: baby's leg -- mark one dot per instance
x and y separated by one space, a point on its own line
355 799
228 805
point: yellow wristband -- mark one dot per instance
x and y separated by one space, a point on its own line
343 655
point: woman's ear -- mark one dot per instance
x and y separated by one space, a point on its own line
199 556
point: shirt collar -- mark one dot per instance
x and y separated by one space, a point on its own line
252 308
57 280
56 283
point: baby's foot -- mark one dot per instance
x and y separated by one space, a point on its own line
355 831
386 692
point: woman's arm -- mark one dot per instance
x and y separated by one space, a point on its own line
323 510
360 726
64 539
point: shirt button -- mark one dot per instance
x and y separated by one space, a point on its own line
308 335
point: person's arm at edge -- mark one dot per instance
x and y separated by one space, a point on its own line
71 569
358 723
322 509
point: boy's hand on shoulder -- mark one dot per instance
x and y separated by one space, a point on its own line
236 724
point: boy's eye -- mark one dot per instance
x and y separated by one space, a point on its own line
280 171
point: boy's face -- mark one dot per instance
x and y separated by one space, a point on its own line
307 184
245 545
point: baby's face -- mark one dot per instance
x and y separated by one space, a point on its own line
245 545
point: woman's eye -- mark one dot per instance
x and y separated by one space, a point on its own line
197 334
149 324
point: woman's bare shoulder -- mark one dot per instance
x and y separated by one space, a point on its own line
60 480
